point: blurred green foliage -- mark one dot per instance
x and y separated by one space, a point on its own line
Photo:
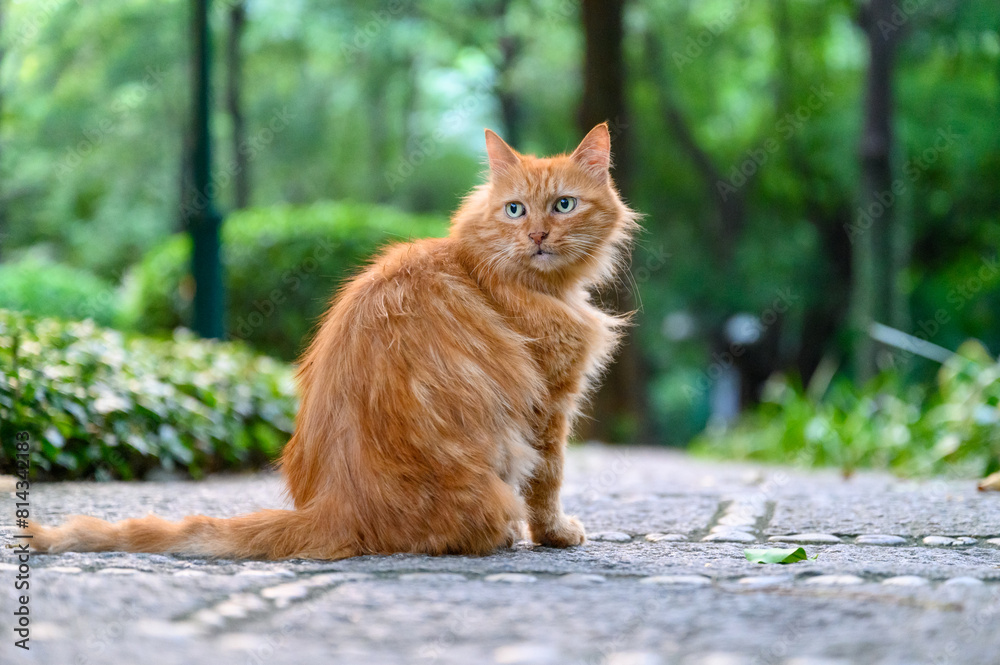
98 404
283 264
384 102
45 288
951 428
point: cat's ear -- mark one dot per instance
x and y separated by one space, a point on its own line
594 152
502 156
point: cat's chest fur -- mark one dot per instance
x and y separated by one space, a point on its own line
569 339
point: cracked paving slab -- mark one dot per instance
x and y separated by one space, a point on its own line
907 573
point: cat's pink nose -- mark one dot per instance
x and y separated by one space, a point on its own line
539 236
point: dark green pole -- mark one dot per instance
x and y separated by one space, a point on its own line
204 221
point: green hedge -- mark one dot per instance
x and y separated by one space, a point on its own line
282 264
43 288
96 404
952 428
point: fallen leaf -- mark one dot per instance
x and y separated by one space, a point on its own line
990 483
776 555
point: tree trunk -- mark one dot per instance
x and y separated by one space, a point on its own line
875 251
823 319
510 107
510 45
204 221
234 104
620 408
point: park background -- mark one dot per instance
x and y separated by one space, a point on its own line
820 183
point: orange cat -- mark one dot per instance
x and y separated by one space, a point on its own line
441 387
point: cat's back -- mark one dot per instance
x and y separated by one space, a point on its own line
417 305
421 277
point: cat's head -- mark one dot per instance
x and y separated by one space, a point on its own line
548 221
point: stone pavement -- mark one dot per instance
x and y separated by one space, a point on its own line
908 572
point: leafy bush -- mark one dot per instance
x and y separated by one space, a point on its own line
44 288
953 427
282 264
98 405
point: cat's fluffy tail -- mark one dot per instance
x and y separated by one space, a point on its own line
267 534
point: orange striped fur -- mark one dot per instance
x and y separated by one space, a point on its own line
439 392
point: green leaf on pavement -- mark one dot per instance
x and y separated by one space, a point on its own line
776 555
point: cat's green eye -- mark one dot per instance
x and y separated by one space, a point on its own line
565 204
514 209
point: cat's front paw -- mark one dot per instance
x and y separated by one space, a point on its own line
565 532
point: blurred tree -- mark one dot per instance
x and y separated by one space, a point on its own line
829 215
620 409
511 45
204 221
234 104
876 295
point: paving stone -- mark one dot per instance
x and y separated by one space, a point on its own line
677 580
939 541
966 540
511 578
834 580
761 581
526 654
730 537
633 658
277 572
117 571
879 539
46 630
906 580
672 537
738 520
580 579
964 581
807 538
610 536
433 577
912 509
718 658
174 630
994 541
64 569
284 594
726 528
242 642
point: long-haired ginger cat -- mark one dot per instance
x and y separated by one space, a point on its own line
440 389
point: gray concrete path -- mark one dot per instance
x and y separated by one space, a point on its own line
908 572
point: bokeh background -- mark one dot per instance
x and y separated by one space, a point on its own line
806 170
